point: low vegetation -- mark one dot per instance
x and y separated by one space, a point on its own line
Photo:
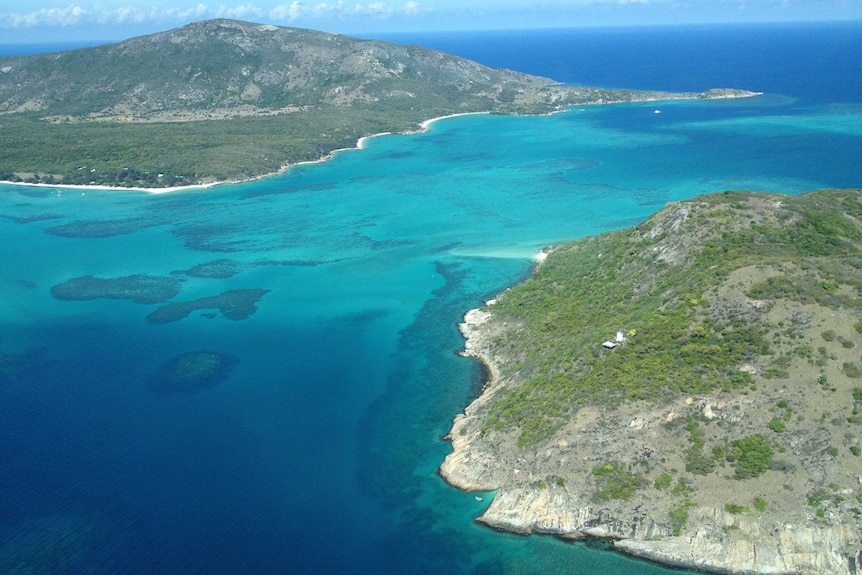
227 100
732 384
676 341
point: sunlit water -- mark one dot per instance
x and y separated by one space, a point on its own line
317 449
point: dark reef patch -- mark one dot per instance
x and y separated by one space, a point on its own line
300 263
30 219
192 371
14 364
561 166
215 237
98 228
34 192
218 269
223 269
138 288
234 304
56 545
291 190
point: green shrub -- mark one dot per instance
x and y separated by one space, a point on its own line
663 481
753 456
734 509
614 481
678 518
695 461
777 425
852 370
760 504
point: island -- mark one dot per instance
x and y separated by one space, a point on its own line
223 100
689 389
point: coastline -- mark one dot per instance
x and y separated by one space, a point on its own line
360 145
526 500
362 141
568 513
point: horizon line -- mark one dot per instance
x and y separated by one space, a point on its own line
92 42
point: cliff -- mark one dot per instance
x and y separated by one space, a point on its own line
721 432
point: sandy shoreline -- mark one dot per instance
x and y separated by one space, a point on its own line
360 145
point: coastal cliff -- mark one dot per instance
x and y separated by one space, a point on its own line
704 414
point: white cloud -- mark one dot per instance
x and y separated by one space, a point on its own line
67 16
132 14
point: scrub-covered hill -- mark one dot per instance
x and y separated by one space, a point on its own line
690 388
227 100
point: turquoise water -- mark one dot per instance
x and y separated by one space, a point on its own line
313 446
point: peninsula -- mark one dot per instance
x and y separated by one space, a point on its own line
690 388
223 100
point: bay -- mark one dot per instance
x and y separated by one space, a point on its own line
313 446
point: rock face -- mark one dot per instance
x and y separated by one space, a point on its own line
715 540
640 473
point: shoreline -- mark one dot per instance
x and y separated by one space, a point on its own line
424 126
565 513
361 143
527 497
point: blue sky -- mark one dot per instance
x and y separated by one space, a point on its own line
89 20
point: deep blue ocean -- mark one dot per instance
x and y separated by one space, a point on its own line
283 410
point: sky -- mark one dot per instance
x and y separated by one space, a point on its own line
37 21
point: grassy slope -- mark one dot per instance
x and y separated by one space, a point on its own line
740 383
679 342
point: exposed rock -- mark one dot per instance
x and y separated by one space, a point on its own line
687 505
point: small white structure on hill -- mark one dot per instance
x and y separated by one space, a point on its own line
618 340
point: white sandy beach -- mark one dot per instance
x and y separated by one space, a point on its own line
360 144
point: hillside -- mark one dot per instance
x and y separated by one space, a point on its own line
722 432
227 100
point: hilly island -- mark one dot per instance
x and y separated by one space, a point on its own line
223 100
690 388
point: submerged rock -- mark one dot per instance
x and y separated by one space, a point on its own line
139 288
193 371
233 304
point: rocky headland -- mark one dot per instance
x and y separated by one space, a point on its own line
688 389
